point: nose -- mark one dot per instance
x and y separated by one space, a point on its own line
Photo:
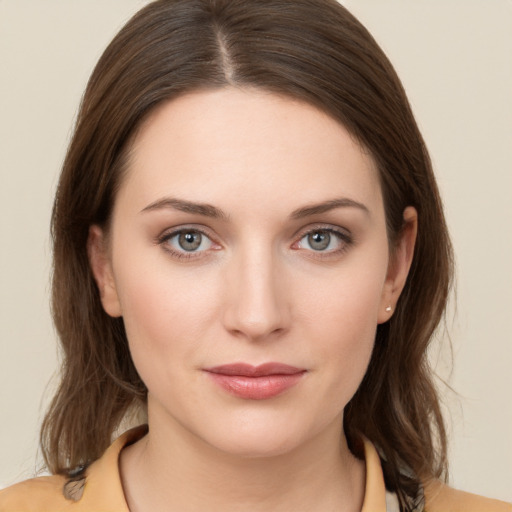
256 306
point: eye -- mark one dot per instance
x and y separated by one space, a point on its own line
325 240
187 241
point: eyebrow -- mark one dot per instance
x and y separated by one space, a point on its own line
211 211
326 206
204 209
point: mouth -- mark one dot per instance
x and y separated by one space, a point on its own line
255 382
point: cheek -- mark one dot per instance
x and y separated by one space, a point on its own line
346 300
167 322
341 316
166 314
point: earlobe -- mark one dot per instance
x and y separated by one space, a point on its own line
399 265
101 267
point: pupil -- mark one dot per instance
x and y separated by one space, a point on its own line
319 240
190 241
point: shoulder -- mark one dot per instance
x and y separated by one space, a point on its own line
442 498
98 487
38 494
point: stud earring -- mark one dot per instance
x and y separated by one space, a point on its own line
388 309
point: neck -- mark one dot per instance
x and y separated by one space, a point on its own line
171 469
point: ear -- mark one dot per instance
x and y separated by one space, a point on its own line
101 267
399 265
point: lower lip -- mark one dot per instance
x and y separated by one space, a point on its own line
256 388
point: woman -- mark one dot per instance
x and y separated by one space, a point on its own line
249 243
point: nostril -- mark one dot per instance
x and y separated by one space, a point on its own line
256 324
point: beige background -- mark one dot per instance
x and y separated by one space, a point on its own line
455 59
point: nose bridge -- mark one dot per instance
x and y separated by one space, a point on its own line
257 305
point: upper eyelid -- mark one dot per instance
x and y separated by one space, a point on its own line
323 227
170 232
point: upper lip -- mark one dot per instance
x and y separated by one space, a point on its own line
248 370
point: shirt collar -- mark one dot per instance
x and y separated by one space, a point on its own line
103 481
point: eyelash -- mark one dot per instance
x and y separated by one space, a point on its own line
182 255
344 237
346 240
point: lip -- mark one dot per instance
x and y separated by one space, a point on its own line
255 382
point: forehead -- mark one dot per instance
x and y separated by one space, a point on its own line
218 145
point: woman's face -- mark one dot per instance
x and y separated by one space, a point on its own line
249 231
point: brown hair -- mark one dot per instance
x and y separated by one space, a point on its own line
312 50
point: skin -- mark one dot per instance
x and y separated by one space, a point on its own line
255 291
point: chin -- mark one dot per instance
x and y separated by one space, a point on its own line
259 435
256 445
